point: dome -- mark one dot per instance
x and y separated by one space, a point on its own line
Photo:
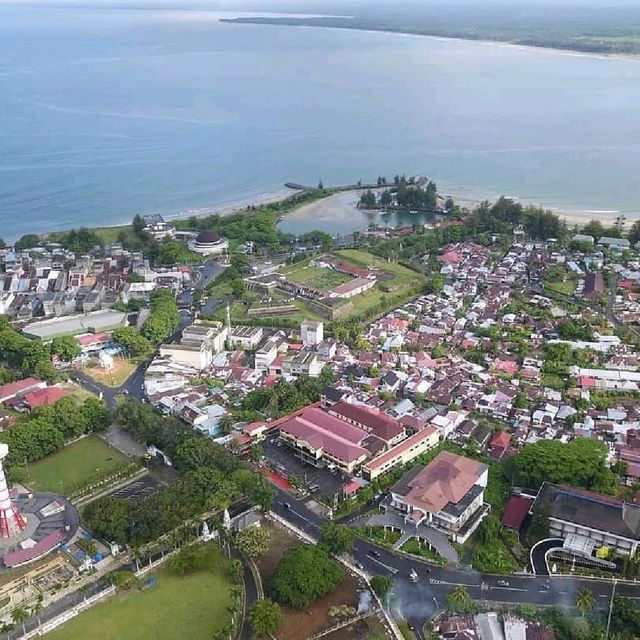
208 237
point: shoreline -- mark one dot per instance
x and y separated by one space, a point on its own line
598 55
579 217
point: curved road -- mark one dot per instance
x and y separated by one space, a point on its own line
419 601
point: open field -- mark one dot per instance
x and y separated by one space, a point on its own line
191 606
74 465
318 277
566 288
116 377
402 275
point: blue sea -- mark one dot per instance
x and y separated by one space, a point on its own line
109 111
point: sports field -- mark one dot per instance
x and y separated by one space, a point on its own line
73 466
191 606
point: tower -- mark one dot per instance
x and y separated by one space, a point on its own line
229 341
11 522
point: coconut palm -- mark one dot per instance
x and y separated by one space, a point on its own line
585 601
459 599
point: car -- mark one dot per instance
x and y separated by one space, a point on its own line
360 566
502 583
374 553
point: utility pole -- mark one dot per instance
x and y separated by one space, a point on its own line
613 594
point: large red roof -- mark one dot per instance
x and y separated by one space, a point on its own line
42 397
516 511
14 389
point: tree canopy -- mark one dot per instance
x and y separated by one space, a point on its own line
303 575
337 538
164 318
265 617
581 463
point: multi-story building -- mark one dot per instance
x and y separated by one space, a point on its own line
312 332
447 494
603 520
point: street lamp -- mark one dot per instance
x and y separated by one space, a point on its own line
613 594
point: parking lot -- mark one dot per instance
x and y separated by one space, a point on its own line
285 461
139 490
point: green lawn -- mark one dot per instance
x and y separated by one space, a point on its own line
192 606
75 465
566 288
319 277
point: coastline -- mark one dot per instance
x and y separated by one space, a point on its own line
321 208
598 55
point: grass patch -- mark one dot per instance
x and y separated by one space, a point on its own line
318 277
566 287
380 535
192 606
75 465
415 548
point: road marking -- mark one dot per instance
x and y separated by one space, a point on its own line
386 566
509 588
299 515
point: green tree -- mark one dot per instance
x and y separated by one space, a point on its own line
132 340
303 575
65 347
27 241
337 538
381 585
634 232
459 600
585 601
109 519
265 617
3 244
235 570
254 541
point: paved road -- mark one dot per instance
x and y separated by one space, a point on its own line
419 601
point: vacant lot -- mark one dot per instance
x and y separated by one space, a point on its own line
74 466
191 606
302 624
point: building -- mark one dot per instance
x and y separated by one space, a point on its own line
246 337
209 243
402 453
312 332
20 388
195 354
447 494
214 334
370 420
353 288
267 353
94 322
603 520
593 285
155 226
303 362
321 439
621 244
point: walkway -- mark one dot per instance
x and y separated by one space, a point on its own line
438 540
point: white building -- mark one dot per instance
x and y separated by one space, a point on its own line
312 332
246 337
197 355
209 243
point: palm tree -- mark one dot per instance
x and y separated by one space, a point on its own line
585 601
459 599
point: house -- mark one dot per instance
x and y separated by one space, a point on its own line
43 397
20 388
246 337
447 494
602 520
303 362
402 453
516 511
267 353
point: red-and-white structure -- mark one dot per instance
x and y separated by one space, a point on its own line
11 521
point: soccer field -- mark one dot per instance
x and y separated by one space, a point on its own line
74 465
191 606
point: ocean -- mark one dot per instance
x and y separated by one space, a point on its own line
107 112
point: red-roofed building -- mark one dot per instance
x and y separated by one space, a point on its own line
516 511
43 397
371 420
499 444
451 257
20 388
321 438
93 341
